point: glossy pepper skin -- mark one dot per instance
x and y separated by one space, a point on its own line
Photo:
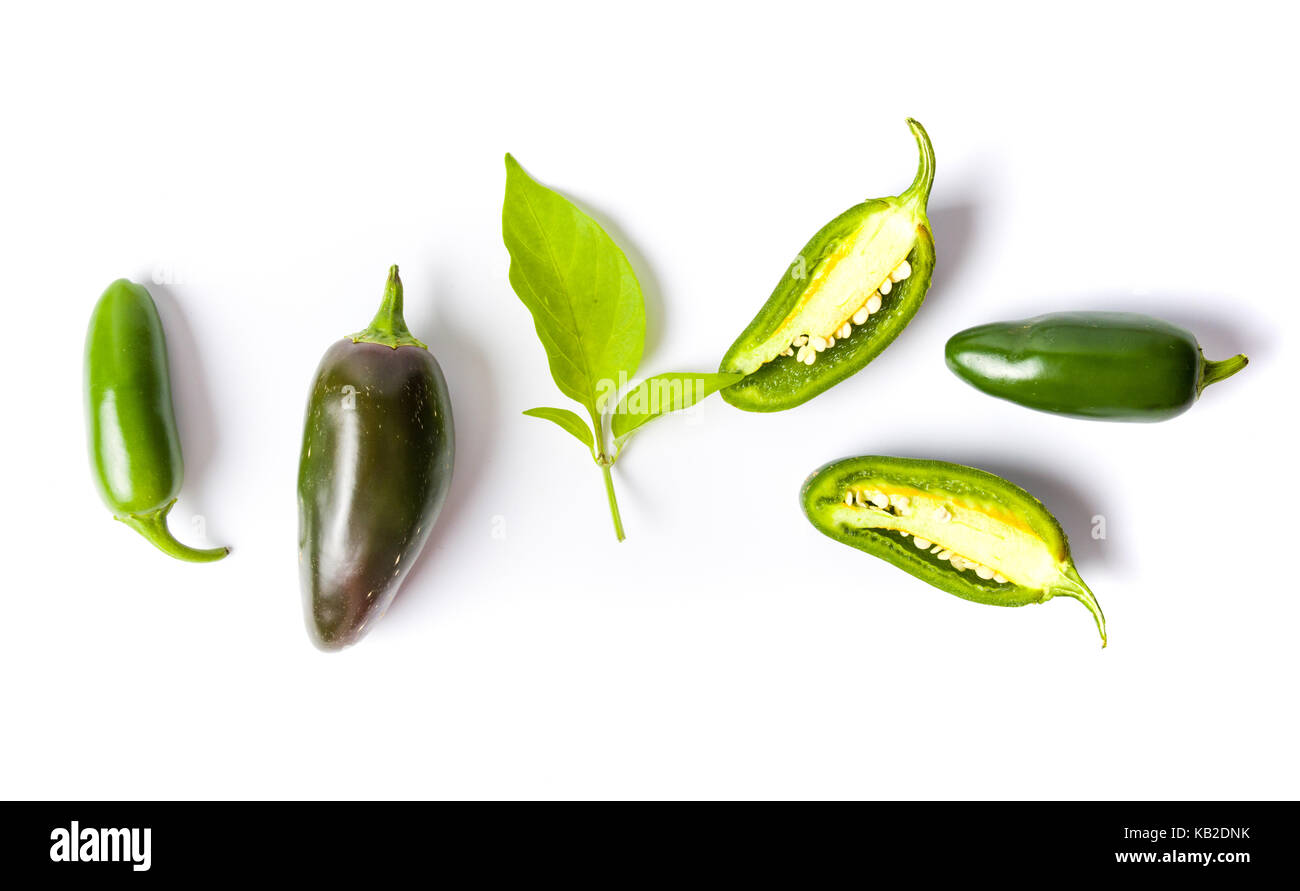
376 463
135 450
850 257
1099 365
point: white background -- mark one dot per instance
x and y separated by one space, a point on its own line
261 166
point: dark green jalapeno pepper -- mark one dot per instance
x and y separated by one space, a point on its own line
375 466
849 293
135 451
1115 366
963 530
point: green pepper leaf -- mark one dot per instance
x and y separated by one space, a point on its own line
568 420
583 295
662 394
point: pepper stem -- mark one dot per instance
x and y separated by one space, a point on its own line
154 528
919 191
1213 372
389 326
1072 586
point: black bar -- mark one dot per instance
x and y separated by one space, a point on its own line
614 843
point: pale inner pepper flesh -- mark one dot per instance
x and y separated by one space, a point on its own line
971 536
847 287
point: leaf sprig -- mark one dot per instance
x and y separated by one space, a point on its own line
589 314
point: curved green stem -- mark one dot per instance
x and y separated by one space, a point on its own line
1213 372
154 528
1072 586
389 326
919 191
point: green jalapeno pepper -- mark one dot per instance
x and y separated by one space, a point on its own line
963 530
1104 365
849 293
376 461
135 450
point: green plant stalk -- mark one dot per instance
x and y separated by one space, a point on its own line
389 324
1214 371
153 526
606 462
613 501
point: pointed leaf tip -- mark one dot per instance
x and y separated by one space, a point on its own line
566 420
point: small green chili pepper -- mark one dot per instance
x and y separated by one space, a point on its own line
1115 366
963 530
375 467
851 291
135 451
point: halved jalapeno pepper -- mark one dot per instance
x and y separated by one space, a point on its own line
963 530
849 293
